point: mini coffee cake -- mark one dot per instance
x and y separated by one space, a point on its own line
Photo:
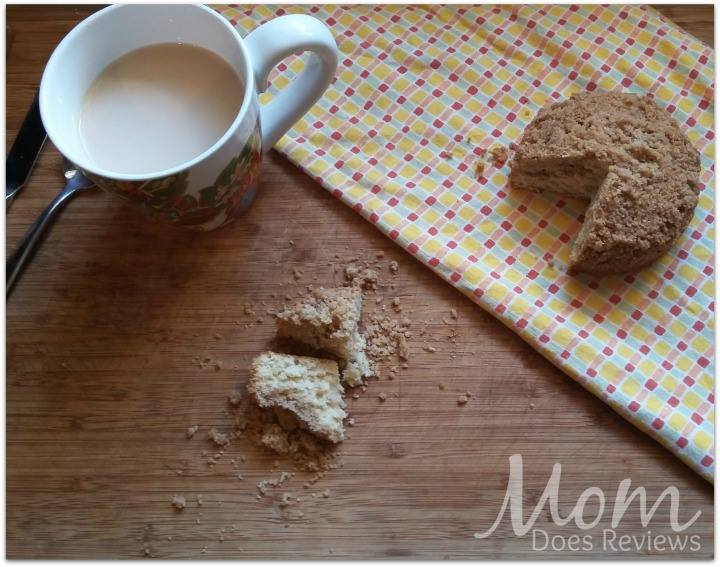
630 159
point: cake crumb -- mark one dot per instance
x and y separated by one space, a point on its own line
428 348
297 273
220 439
326 493
403 349
366 278
499 155
264 485
479 169
441 386
453 313
394 267
206 362
191 431
217 336
462 400
235 398
178 502
285 500
382 396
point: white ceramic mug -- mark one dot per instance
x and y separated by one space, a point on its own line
216 186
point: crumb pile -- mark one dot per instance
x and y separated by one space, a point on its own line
303 416
297 395
386 336
270 430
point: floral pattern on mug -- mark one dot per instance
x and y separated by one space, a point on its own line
170 199
236 181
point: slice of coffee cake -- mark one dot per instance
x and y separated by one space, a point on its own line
301 387
328 319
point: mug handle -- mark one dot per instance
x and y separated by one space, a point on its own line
274 41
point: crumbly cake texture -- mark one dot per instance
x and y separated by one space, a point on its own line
328 319
630 158
277 430
300 387
386 336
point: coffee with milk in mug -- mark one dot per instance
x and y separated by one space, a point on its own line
159 104
158 107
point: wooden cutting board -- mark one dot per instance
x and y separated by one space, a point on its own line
102 331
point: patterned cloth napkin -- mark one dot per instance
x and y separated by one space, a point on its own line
406 134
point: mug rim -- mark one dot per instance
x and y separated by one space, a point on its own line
85 165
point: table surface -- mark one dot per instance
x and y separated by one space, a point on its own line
101 386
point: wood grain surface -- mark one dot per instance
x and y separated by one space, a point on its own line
101 386
697 19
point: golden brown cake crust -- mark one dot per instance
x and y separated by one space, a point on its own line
626 154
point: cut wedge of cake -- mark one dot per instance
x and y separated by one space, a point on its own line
307 388
328 319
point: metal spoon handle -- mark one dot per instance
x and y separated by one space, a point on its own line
19 257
